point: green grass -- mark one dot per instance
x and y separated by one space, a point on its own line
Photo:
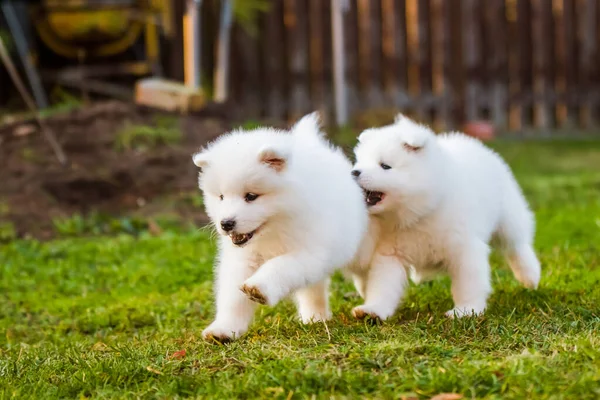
105 317
164 131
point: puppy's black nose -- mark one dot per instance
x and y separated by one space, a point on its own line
355 173
228 224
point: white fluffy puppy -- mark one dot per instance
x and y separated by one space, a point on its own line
289 214
435 204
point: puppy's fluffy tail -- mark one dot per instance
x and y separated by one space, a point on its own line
516 231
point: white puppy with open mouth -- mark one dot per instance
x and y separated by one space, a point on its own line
289 214
435 204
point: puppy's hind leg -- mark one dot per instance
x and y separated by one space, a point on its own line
384 288
516 231
313 302
470 274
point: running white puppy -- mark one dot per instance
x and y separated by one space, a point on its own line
289 215
435 204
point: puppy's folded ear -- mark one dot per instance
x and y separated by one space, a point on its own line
411 148
273 158
414 136
415 139
200 160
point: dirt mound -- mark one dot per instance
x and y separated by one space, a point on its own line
106 172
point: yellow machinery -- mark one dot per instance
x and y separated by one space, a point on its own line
84 30
98 37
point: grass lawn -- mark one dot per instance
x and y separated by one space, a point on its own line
122 316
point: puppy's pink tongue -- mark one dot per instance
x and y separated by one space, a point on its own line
240 238
373 198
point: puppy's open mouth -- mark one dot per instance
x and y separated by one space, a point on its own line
372 197
240 239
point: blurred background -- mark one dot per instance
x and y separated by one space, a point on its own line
102 102
105 257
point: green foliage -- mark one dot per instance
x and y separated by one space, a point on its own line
194 199
246 13
7 232
6 38
61 101
108 317
98 224
250 125
141 137
29 154
7 229
345 137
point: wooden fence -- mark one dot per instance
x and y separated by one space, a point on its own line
523 64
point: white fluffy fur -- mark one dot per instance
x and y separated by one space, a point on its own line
445 197
310 217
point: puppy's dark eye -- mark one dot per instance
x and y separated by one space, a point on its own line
221 197
384 166
250 197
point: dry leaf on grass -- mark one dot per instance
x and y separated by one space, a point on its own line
154 228
99 346
447 396
178 354
153 370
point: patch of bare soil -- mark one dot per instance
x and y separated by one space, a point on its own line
35 189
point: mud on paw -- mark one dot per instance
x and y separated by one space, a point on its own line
254 293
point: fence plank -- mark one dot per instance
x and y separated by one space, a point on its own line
296 29
401 50
497 61
525 62
327 58
448 59
514 109
395 52
391 57
571 64
439 43
315 29
549 33
424 57
456 71
364 49
352 55
471 58
587 14
246 47
541 110
412 59
273 50
376 92
370 51
560 65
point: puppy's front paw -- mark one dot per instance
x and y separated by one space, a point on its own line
529 279
311 318
465 311
221 333
369 312
254 293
